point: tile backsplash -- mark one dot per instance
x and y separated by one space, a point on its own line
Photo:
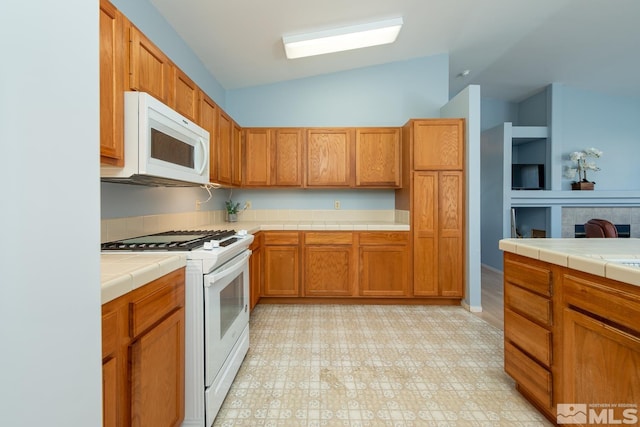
617 215
121 228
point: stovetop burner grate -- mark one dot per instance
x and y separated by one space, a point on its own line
175 240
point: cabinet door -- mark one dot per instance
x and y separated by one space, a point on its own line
287 151
112 75
438 144
185 96
150 70
208 112
451 233
113 379
384 271
329 264
255 270
425 237
236 154
257 145
281 271
225 150
378 157
329 157
157 374
600 362
438 218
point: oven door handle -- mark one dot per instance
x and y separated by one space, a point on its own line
234 267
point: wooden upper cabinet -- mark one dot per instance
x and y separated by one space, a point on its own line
438 144
378 157
287 158
225 150
236 154
185 97
257 145
329 154
208 119
150 69
272 157
112 76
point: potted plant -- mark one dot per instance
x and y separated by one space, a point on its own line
232 210
581 166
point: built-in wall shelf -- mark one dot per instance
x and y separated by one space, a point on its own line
524 134
574 198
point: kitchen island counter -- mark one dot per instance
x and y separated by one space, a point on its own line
608 258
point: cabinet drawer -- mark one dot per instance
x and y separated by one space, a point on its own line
536 279
384 238
155 301
528 374
528 336
281 238
622 305
328 238
530 305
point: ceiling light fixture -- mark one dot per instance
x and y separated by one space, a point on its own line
340 39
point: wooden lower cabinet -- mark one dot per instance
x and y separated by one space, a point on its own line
329 264
335 264
255 270
143 355
384 264
572 338
281 264
601 342
529 329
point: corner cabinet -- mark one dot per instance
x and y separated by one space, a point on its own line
255 270
143 355
112 74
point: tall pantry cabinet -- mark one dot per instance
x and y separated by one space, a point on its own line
433 164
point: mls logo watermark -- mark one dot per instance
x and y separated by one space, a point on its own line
597 413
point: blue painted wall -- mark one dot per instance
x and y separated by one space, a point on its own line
382 95
609 123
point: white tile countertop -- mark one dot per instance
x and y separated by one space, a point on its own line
610 258
269 225
123 272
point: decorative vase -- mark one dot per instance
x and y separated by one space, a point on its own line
582 185
232 217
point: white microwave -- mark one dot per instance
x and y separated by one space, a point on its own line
161 147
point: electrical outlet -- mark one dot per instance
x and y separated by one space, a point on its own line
336 204
247 204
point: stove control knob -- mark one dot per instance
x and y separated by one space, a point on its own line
242 232
215 243
208 246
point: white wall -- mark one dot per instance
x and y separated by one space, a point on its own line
50 361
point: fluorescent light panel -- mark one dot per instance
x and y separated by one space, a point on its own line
340 39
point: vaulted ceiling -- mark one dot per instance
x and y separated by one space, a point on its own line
512 48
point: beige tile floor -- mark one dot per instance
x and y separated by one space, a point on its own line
370 365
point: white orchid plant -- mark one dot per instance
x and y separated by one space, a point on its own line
582 164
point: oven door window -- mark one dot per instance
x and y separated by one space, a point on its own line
226 312
231 304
